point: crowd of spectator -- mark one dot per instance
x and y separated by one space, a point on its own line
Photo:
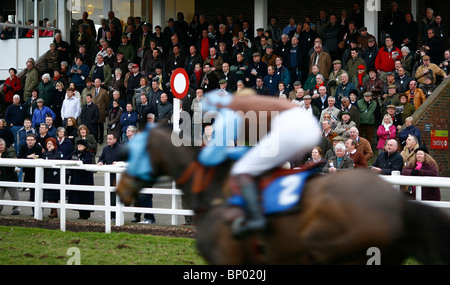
117 77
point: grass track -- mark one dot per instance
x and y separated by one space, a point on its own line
35 246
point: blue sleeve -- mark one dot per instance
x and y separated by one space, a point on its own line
85 71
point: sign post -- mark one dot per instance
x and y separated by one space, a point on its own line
179 83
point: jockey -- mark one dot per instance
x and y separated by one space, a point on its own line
283 131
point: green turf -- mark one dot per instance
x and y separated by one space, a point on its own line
35 246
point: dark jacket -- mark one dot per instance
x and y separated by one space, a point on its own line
389 162
411 130
164 110
15 114
66 148
23 153
133 83
128 119
81 177
52 175
7 173
109 155
143 111
114 125
428 193
7 135
89 116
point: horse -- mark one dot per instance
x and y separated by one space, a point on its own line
337 220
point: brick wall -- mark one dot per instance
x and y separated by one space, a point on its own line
435 111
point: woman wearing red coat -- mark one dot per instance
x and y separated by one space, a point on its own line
422 164
11 87
386 131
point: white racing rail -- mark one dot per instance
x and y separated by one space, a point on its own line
106 189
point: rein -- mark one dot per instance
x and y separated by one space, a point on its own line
202 176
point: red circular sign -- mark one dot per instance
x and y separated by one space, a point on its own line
179 83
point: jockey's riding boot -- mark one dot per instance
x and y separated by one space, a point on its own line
255 220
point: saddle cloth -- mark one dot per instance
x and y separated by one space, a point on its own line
281 194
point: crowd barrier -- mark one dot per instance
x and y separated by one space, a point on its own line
105 189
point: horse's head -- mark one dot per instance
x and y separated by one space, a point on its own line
128 188
167 159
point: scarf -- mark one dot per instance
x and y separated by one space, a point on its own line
386 127
360 78
317 86
198 75
204 51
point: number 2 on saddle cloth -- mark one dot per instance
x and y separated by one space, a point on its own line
282 193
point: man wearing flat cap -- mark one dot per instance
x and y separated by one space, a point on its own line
363 39
370 53
392 98
395 116
129 51
390 80
269 57
255 69
428 68
334 79
367 107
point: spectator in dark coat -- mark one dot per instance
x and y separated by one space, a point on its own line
388 160
31 150
422 164
111 155
82 177
113 119
6 134
65 145
8 174
133 82
90 115
52 175
143 110
128 118
409 130
165 108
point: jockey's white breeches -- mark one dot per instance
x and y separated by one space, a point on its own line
293 132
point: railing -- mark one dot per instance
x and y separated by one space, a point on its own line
39 164
63 165
420 181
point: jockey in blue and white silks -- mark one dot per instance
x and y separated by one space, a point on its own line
283 130
227 125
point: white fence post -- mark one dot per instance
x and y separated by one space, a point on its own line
107 204
174 203
62 197
38 192
120 217
396 173
418 193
